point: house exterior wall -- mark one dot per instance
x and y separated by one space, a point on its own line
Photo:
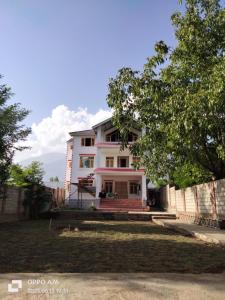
69 158
78 172
100 151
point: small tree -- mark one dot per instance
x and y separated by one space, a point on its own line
37 198
11 130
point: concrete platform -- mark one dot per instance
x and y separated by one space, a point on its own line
121 215
204 233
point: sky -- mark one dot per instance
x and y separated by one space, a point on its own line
58 56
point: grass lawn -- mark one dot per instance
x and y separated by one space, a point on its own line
103 246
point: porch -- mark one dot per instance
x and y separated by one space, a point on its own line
123 186
121 192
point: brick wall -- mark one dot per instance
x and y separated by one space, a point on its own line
11 199
200 201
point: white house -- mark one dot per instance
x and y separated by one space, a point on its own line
96 164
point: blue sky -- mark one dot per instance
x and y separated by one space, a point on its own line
57 52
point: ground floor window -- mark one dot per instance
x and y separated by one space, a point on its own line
134 188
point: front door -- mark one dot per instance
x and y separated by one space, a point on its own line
121 189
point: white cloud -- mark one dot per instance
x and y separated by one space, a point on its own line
51 134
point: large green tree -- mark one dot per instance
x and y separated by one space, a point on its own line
11 130
26 176
179 97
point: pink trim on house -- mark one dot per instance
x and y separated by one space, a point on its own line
118 170
108 145
87 154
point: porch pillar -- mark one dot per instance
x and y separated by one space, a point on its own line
143 190
98 185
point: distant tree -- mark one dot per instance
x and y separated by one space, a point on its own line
179 97
56 179
11 130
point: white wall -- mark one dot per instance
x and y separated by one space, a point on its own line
77 150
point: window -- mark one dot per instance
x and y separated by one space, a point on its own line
109 162
87 142
71 147
134 188
113 136
86 161
123 162
108 187
132 137
70 163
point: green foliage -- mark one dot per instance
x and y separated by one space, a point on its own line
37 200
54 179
11 130
179 97
189 174
34 173
37 197
17 176
27 176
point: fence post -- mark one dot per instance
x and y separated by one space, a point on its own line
19 202
184 200
4 196
196 201
213 199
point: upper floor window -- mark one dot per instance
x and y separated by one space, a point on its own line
86 161
123 162
115 137
132 137
87 142
109 162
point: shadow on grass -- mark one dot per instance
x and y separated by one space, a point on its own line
113 247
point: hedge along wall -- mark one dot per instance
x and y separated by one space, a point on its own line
205 200
11 199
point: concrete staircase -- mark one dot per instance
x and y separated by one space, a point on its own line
121 205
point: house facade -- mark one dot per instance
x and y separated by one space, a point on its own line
96 165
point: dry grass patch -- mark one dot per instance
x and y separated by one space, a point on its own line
103 246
